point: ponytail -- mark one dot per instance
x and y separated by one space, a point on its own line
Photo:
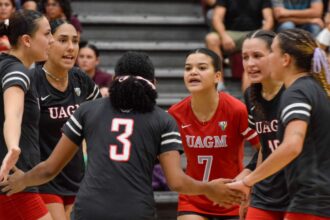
133 93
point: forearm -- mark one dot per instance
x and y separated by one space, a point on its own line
243 174
268 22
40 174
12 132
189 186
296 21
283 155
306 13
218 21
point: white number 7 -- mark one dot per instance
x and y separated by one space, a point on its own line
123 138
208 164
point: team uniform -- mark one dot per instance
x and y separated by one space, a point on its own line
13 73
122 149
214 149
308 176
55 109
273 199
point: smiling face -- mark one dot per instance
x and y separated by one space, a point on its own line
199 74
64 50
255 59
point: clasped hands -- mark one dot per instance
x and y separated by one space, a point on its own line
227 192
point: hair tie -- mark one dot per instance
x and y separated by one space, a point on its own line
320 61
123 78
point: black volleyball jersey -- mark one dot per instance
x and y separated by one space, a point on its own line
271 193
122 149
55 109
308 176
13 73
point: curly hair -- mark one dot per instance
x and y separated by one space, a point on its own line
133 87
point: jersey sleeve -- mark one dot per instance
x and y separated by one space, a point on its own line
73 128
295 105
15 75
93 91
248 133
170 136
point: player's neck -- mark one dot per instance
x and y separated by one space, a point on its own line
57 79
270 89
291 78
204 107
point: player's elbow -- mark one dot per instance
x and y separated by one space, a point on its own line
176 185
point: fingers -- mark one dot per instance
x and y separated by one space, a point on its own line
14 169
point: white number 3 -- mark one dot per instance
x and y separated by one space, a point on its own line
123 138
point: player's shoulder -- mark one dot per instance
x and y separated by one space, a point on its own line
231 103
75 72
180 107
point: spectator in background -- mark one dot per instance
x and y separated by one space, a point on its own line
29 5
88 59
54 9
234 19
208 8
323 38
304 14
7 8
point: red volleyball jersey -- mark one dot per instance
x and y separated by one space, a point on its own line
214 149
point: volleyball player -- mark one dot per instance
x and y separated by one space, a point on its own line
61 88
213 127
263 100
30 37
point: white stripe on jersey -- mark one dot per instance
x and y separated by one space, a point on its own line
171 133
16 73
72 129
295 112
15 78
251 122
294 105
250 116
76 122
92 94
246 131
252 136
98 92
171 141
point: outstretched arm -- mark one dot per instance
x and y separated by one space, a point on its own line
177 180
288 150
13 112
44 171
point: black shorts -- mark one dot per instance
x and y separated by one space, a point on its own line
210 217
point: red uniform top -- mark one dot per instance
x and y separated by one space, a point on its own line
214 149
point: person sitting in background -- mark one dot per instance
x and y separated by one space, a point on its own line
88 59
7 8
29 5
54 9
233 20
305 14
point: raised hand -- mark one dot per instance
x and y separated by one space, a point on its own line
221 194
9 162
14 183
